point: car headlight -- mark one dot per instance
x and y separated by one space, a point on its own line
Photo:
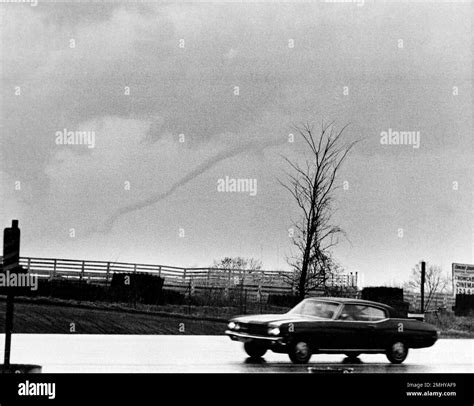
233 326
273 331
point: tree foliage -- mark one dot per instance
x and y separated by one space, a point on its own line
435 282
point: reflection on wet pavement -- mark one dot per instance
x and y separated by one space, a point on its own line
213 354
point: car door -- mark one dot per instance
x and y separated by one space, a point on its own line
354 330
319 326
377 320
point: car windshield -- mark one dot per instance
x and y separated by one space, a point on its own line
315 308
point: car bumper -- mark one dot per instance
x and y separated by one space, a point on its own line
245 338
424 342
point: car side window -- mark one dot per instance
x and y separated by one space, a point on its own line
375 313
352 312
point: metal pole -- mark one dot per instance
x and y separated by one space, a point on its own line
8 328
423 271
11 261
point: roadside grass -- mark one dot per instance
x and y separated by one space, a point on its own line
221 313
452 326
46 315
40 317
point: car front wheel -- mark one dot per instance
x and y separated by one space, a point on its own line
300 352
397 352
254 350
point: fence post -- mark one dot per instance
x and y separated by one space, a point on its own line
82 270
107 274
245 301
184 274
159 271
54 268
135 287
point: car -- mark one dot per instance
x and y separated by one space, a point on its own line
327 325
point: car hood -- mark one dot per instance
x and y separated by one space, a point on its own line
275 319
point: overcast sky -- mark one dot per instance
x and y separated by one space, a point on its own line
139 75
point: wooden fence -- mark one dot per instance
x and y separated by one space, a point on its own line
259 282
436 301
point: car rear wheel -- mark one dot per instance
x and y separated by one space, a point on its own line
397 352
254 350
300 352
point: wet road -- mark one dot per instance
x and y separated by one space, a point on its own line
211 354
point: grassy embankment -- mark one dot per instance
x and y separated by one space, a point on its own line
54 316
62 317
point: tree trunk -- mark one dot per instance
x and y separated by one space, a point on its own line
301 287
304 274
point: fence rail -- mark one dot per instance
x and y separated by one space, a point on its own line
177 278
436 301
258 284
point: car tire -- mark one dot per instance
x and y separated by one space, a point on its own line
254 350
397 352
300 352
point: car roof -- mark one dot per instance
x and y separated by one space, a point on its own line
349 300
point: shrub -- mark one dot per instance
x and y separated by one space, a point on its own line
76 290
143 288
282 300
172 297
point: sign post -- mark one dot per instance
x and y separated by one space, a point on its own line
11 262
11 270
8 329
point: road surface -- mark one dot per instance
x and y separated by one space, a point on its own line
211 354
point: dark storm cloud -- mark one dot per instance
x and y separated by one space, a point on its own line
191 91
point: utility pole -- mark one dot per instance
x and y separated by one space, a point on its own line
423 272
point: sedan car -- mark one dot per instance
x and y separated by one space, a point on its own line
332 325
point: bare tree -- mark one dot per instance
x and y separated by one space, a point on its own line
313 186
435 282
